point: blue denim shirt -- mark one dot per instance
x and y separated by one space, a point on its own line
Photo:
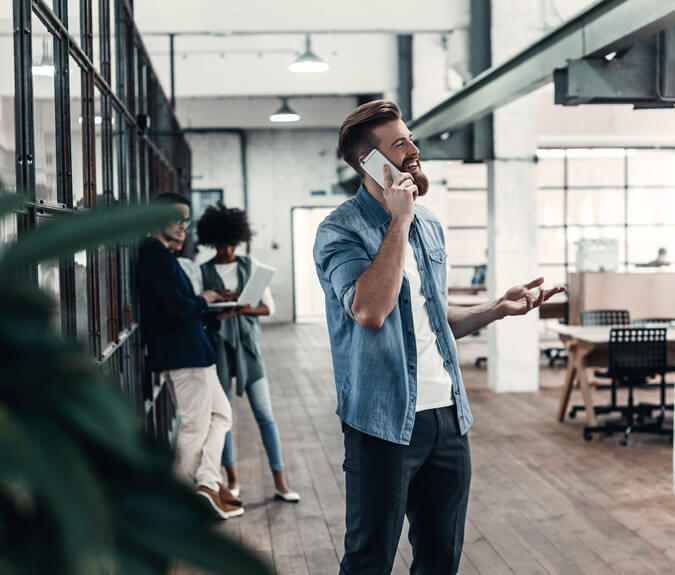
376 369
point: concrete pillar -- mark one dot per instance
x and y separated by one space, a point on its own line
513 343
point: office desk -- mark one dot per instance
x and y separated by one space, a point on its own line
587 346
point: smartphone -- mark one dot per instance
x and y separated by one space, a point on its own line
374 164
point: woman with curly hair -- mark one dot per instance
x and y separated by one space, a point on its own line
236 336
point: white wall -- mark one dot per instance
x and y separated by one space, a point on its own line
283 168
249 113
255 15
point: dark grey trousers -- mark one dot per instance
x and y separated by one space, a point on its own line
427 480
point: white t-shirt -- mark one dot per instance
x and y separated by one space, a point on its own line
434 386
228 273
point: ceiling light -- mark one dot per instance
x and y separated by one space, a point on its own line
45 68
308 62
285 113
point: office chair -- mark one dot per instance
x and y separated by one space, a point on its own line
635 354
602 317
605 317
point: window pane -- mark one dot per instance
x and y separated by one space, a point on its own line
104 295
467 208
551 207
466 247
8 230
117 142
553 275
651 206
644 242
551 246
81 296
113 48
7 141
574 234
98 130
74 19
651 168
599 206
96 27
551 170
49 282
595 167
76 133
471 176
44 113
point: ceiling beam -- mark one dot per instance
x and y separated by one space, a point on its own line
606 26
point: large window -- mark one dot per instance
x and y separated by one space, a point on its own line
626 194
85 98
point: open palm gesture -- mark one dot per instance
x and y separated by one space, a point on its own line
521 299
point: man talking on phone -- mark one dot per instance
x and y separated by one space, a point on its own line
380 259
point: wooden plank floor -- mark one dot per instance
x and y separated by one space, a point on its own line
543 501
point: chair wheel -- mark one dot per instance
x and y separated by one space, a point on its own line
623 441
588 436
573 413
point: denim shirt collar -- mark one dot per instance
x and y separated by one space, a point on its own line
374 210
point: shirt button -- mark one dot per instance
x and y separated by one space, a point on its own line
428 299
412 367
405 301
438 329
421 269
448 361
461 417
410 332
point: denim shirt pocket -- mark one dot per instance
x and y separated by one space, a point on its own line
438 265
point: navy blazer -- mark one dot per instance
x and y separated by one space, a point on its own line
171 313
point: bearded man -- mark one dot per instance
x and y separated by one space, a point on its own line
381 261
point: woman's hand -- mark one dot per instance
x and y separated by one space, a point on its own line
232 312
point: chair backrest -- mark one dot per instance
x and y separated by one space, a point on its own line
637 351
605 317
647 320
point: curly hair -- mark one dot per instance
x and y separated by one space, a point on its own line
221 226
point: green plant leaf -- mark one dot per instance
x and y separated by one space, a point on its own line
168 519
10 202
70 234
60 477
97 412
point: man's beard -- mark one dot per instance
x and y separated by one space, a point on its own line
422 182
420 178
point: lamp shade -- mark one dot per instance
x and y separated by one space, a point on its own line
308 62
285 113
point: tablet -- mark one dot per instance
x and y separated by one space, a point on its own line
253 290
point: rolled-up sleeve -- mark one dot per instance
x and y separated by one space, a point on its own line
340 259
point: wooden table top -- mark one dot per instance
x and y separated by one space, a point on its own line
600 334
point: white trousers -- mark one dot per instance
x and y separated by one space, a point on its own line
205 418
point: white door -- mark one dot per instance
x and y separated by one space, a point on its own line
308 295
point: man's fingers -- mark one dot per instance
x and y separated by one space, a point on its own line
387 176
534 283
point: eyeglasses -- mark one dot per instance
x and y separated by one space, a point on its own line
185 222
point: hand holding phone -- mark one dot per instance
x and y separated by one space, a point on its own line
373 164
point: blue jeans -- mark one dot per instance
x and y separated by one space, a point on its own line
258 394
427 480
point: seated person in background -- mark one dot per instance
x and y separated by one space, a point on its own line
179 350
661 260
236 336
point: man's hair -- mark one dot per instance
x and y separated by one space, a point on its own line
170 198
221 226
356 133
662 251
